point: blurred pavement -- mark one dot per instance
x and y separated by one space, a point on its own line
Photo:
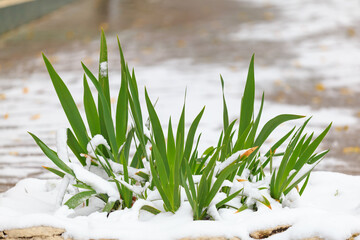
307 60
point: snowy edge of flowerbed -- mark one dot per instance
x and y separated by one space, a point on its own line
329 209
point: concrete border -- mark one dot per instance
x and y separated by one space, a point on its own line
12 16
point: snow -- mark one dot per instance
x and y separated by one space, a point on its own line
329 208
104 69
95 142
96 182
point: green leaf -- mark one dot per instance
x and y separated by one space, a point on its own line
317 157
106 112
109 206
52 155
103 72
250 139
304 185
104 85
122 109
191 135
311 149
171 148
90 110
83 186
247 101
219 181
271 125
57 172
157 130
150 209
68 104
227 199
225 109
79 198
75 147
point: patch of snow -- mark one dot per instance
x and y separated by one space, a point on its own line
328 208
97 183
104 69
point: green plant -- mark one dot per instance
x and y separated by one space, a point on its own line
297 163
171 166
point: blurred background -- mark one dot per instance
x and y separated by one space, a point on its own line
307 60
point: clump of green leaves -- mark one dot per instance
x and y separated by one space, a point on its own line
168 163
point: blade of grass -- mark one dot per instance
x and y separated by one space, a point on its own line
79 198
247 101
271 125
90 109
106 112
75 147
52 155
68 104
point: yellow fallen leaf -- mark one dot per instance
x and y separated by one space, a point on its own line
69 35
297 64
25 90
345 91
181 43
6 116
350 150
319 87
13 153
351 32
233 68
35 116
268 16
342 128
278 82
147 50
316 100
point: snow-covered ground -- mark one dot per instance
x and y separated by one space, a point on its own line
329 209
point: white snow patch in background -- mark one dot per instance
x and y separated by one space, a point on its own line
329 207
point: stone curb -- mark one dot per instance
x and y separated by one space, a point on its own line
51 233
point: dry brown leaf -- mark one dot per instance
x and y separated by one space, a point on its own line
248 152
